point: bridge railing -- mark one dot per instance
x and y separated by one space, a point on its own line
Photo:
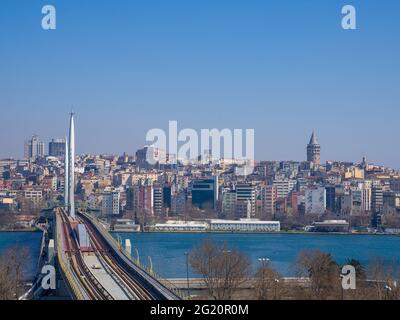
170 285
64 268
158 277
42 248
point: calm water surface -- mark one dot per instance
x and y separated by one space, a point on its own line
29 240
167 250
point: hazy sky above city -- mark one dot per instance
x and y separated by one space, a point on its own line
281 67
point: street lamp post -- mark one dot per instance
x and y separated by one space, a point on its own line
226 253
264 261
388 289
275 287
187 273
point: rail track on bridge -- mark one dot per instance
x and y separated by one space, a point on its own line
92 287
127 283
155 288
129 280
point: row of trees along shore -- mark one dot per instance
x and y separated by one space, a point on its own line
227 275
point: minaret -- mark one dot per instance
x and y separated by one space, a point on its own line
71 169
66 175
314 150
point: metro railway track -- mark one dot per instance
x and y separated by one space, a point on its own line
155 288
133 282
135 288
92 287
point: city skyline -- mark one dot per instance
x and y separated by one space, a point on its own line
308 156
276 67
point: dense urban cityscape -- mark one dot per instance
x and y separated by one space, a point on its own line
133 195
86 206
280 183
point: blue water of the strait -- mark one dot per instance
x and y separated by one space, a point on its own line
167 250
28 240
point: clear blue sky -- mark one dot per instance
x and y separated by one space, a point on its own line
281 67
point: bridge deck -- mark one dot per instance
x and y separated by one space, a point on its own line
154 286
103 273
106 280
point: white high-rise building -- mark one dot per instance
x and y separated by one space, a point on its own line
284 187
34 148
110 203
315 200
